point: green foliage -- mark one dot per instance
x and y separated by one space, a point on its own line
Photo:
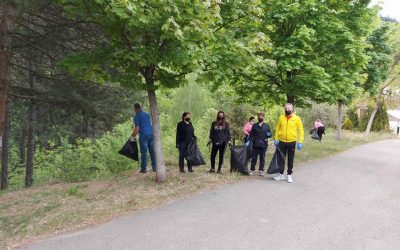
84 160
380 123
379 53
153 42
353 116
347 125
326 112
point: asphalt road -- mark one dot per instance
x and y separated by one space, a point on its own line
347 201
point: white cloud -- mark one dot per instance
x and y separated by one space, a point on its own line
390 8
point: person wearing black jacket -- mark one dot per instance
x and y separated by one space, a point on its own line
220 136
184 135
260 132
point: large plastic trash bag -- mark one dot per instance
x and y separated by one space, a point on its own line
239 159
274 167
130 149
193 155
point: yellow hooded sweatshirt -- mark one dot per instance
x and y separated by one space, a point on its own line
289 129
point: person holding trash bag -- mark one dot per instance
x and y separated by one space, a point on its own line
247 129
320 128
144 128
220 136
260 132
184 135
289 128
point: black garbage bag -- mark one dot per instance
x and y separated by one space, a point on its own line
315 135
274 167
249 151
239 159
312 131
130 150
193 154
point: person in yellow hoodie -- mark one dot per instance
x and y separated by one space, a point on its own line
288 131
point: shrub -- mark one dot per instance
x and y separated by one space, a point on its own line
347 125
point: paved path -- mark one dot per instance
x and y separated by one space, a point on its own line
348 201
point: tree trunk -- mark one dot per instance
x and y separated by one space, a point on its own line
161 175
22 151
5 151
290 99
339 121
372 117
31 145
31 129
6 23
289 79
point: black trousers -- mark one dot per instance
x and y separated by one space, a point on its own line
182 152
214 150
258 152
288 148
320 131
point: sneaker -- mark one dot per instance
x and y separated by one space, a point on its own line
279 177
143 171
289 179
211 171
219 171
182 170
190 170
251 172
260 173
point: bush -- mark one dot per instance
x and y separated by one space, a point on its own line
347 125
325 112
381 120
86 159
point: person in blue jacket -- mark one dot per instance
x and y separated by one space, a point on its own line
260 132
144 128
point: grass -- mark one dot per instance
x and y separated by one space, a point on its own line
30 214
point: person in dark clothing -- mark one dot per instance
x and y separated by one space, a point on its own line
184 135
260 132
319 126
220 136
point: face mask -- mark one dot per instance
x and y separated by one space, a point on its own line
260 119
187 119
288 112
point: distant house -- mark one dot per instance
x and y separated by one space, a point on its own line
394 119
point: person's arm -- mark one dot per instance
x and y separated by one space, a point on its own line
269 133
136 128
191 124
177 135
211 131
277 127
228 132
245 132
300 131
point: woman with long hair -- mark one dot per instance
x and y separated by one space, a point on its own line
220 136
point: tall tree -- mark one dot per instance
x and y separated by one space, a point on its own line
6 26
383 68
148 43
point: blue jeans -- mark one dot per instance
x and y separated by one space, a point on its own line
147 141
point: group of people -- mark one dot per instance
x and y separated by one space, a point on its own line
288 133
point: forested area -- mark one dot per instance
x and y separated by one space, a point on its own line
71 70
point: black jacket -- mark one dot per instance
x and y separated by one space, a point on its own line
184 132
259 135
220 134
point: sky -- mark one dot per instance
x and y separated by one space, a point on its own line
390 8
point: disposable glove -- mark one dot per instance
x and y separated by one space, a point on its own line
299 146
